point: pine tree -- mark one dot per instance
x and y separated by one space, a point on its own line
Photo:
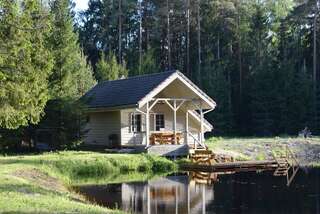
71 77
25 62
69 60
84 76
109 69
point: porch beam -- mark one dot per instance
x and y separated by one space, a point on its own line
182 102
208 111
171 99
154 103
169 104
140 111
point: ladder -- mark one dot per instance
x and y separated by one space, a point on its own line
288 165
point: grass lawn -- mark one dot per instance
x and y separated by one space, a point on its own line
306 150
41 183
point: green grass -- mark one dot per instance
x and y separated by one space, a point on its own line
41 183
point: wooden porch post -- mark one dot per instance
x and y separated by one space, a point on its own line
201 124
175 121
186 128
147 124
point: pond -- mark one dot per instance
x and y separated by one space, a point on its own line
192 192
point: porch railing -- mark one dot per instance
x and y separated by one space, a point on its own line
165 138
196 142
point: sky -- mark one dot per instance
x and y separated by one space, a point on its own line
81 4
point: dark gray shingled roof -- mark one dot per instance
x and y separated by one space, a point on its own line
123 92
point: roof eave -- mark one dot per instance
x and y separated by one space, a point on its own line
111 108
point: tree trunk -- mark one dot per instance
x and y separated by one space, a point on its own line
140 37
315 67
168 36
188 38
315 55
240 55
120 31
218 47
199 42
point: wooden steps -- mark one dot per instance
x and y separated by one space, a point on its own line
283 166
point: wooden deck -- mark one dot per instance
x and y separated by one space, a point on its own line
236 166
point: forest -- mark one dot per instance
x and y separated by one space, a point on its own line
258 59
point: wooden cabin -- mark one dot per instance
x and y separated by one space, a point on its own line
162 112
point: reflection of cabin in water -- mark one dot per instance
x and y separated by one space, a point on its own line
161 112
173 194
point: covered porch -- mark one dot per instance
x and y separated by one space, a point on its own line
175 121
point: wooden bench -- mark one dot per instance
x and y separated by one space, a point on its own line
165 138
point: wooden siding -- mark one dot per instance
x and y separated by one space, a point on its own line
100 126
128 137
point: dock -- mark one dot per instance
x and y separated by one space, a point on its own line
208 162
237 166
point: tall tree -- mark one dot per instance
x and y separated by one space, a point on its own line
71 76
25 62
140 35
188 37
120 31
168 34
199 41
69 60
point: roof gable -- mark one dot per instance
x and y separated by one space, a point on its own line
207 104
124 92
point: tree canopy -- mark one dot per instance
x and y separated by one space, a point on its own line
25 62
258 59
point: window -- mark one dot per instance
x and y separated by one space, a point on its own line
135 122
159 122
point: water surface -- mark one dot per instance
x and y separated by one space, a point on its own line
212 193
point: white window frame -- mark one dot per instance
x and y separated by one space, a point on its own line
155 121
133 125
